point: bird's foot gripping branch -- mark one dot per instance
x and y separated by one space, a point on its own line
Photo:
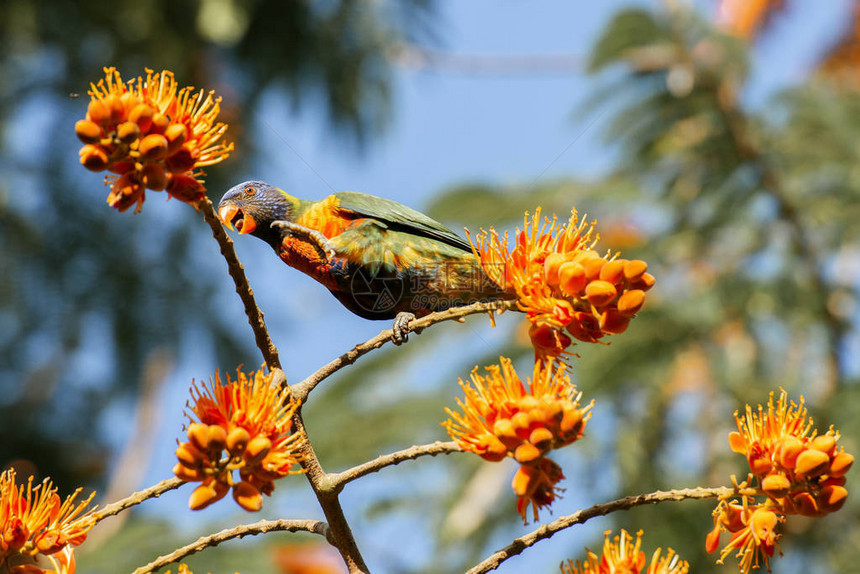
382 260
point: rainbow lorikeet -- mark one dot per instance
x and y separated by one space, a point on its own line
380 259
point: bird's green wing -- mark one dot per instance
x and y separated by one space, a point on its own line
398 217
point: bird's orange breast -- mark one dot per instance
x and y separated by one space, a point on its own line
325 217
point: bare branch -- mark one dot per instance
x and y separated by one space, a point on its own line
303 389
237 272
136 498
339 480
261 527
626 503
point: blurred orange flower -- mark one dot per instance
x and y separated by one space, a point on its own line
801 471
744 18
37 529
243 425
562 284
623 555
151 137
795 470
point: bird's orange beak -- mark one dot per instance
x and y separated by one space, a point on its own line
231 214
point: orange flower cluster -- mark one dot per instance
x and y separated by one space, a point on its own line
244 425
796 469
35 526
623 555
503 417
151 137
562 284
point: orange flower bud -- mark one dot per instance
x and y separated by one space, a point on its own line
541 437
552 410
206 494
159 123
759 465
523 483
127 132
257 449
114 104
613 272
495 449
176 135
527 452
216 438
527 403
600 293
548 341
634 269
142 114
644 283
593 267
504 429
185 188
831 498
776 485
840 464
128 101
247 496
154 177
788 450
571 278
521 422
585 327
88 131
94 158
826 443
811 463
181 160
805 504
550 267
571 421
198 434
187 474
614 322
98 112
153 147
237 441
189 456
631 301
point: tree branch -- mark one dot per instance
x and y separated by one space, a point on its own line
582 516
303 389
340 479
338 531
237 272
261 527
136 498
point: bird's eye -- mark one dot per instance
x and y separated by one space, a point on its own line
250 191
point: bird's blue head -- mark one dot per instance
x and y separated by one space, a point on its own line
251 207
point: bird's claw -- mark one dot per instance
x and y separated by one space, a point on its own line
400 329
316 237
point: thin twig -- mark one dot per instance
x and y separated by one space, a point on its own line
340 479
136 498
261 527
302 389
237 272
579 517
